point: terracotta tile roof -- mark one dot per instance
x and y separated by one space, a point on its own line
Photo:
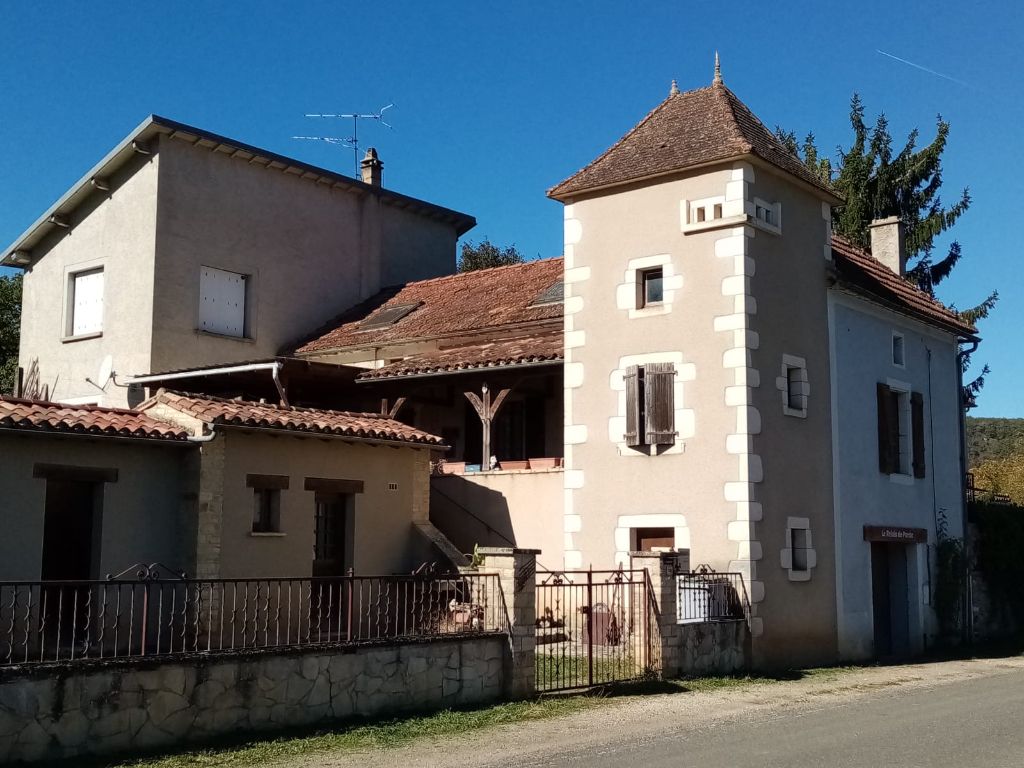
39 416
501 353
859 270
448 306
242 413
684 131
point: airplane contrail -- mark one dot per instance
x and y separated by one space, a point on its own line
923 69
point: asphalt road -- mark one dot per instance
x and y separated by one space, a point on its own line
975 723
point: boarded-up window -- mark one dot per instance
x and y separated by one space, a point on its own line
659 397
86 302
222 297
650 404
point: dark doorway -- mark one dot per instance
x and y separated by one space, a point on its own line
890 600
330 535
71 527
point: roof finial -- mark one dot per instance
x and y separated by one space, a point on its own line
718 71
674 90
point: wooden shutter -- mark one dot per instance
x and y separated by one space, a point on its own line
632 378
886 450
659 399
917 430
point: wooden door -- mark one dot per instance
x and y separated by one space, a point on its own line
329 543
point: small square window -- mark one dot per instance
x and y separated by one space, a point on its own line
652 288
700 215
266 510
794 390
897 350
718 210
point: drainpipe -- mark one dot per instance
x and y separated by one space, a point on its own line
275 374
204 438
962 423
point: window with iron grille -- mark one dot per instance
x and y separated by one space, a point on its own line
650 404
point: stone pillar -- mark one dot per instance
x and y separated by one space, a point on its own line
517 572
663 568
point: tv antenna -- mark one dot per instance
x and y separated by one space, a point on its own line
350 142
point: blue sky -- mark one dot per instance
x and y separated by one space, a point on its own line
496 104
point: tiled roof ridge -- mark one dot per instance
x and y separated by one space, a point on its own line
622 140
197 396
462 275
70 406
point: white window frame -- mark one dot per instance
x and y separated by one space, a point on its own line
898 337
905 452
783 382
786 559
771 220
71 290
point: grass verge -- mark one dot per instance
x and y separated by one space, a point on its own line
392 733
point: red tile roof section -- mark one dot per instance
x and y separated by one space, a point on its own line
451 305
503 353
686 130
42 417
861 271
242 413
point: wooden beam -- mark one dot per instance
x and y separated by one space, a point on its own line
486 409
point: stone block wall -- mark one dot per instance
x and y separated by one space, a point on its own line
68 710
712 648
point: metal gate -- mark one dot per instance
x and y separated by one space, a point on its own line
595 627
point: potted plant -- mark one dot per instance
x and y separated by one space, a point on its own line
516 465
545 463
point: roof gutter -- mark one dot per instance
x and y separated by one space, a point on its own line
175 441
333 436
431 374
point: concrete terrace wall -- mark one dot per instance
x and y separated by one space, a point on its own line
63 711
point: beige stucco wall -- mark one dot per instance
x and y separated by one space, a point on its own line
312 250
140 512
740 297
385 539
115 230
609 489
502 509
795 454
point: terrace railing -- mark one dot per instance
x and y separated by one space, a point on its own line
57 621
704 595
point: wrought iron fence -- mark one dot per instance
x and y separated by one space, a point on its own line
594 627
48 621
704 595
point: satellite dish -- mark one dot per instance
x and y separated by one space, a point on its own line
105 372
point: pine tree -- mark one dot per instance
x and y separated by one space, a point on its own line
877 183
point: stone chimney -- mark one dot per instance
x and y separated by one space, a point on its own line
888 243
372 168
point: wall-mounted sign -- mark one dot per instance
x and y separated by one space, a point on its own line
895 535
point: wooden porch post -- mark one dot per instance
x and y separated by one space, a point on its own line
486 409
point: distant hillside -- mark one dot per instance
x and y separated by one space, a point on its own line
993 439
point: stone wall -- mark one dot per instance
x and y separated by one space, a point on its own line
66 710
712 648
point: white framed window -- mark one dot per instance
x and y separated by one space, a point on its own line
767 216
85 303
798 556
651 286
705 211
794 385
223 300
898 351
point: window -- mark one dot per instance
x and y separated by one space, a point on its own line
705 211
650 404
266 510
266 502
794 386
900 431
85 303
897 349
222 302
798 545
652 287
654 539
